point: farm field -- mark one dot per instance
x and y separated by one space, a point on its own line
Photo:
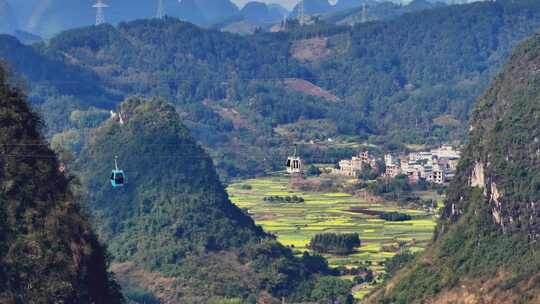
295 224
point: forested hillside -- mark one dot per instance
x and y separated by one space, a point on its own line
173 220
486 247
48 251
411 79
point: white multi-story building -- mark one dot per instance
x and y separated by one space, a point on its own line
389 160
393 167
351 167
436 166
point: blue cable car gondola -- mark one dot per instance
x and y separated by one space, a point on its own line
118 178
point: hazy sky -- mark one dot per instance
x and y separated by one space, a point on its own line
291 3
287 3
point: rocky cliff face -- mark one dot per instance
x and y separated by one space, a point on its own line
486 245
503 155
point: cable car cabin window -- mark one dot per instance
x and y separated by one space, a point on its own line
119 179
112 176
288 163
296 165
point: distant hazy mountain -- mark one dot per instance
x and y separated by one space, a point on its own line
48 17
417 5
347 4
259 12
278 8
51 17
8 24
214 10
22 10
26 37
189 11
379 11
314 7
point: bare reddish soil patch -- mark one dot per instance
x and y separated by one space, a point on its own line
309 88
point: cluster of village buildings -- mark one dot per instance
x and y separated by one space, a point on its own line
437 166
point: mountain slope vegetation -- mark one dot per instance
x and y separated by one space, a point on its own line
173 219
176 178
48 251
486 246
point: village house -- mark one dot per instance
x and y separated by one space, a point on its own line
351 167
393 167
437 166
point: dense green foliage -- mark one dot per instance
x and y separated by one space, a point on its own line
397 188
490 225
284 199
335 243
410 79
332 290
48 252
395 216
365 277
369 173
397 262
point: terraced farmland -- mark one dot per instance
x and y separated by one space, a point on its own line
294 224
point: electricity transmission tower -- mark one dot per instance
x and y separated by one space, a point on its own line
161 10
364 13
301 13
100 15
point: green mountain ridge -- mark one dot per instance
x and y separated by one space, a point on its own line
173 219
486 247
164 164
48 251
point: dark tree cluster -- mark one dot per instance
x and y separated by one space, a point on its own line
395 216
284 199
335 243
